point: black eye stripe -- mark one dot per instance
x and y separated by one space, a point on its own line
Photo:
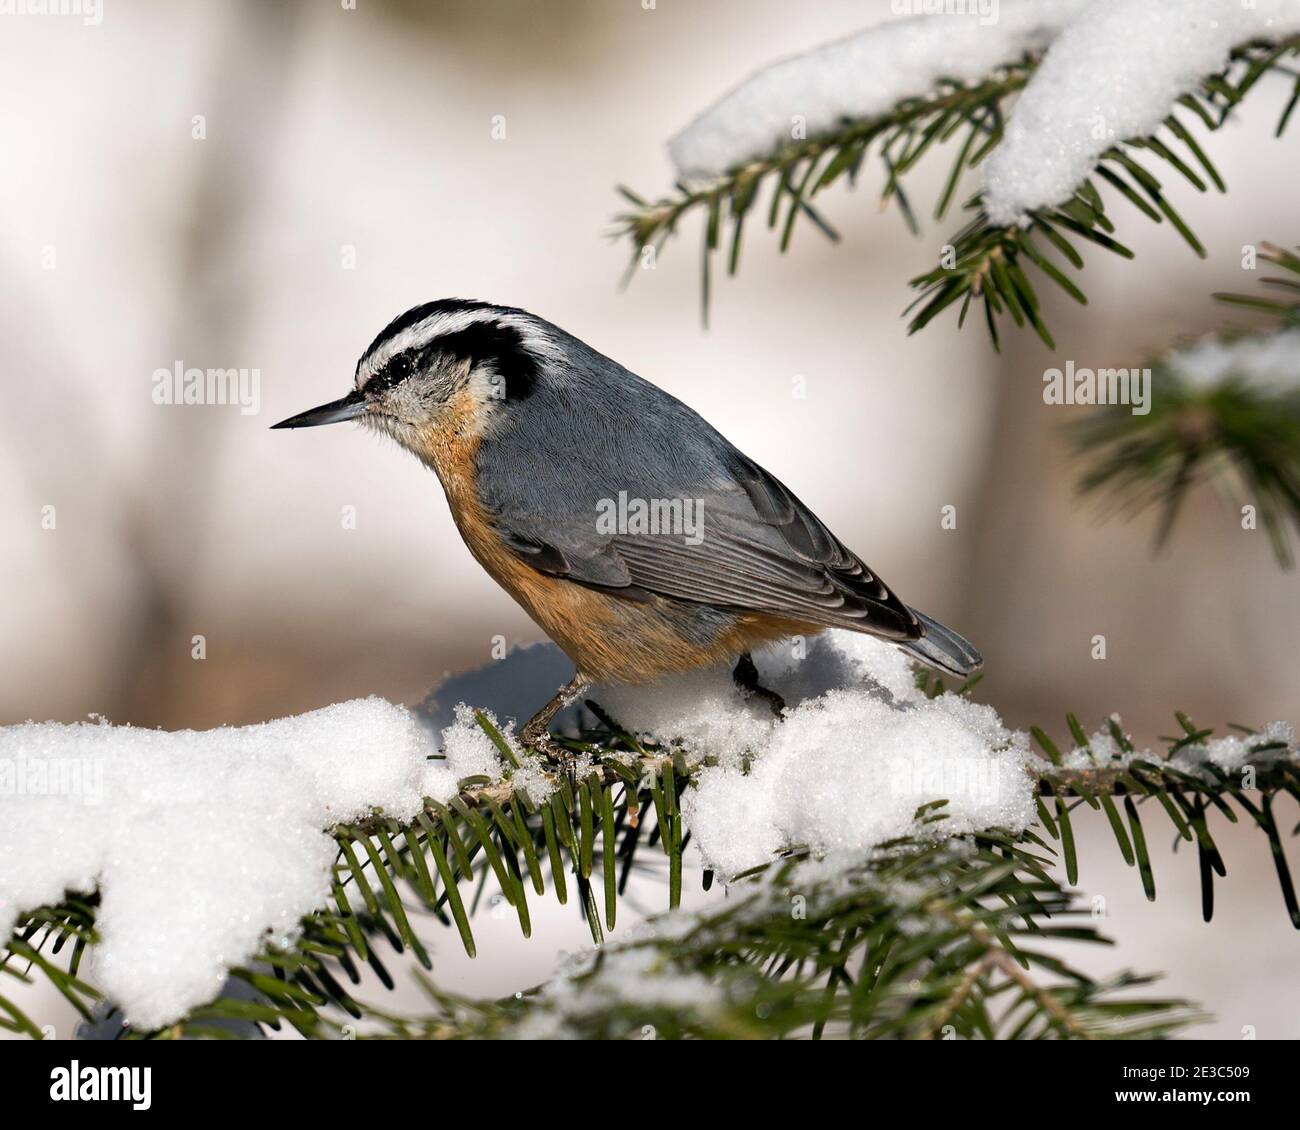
483 342
503 347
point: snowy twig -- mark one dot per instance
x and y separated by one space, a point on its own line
992 261
1224 408
904 135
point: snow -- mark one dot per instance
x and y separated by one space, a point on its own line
1113 74
1267 362
1111 71
1232 753
858 750
469 752
702 710
1104 752
860 76
204 845
847 771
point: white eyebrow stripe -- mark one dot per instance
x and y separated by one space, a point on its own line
438 325
435 325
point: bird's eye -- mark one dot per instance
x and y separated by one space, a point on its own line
396 371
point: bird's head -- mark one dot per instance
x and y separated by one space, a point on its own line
441 365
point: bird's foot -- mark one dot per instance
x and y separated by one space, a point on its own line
536 734
540 742
746 678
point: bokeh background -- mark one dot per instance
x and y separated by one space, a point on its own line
348 170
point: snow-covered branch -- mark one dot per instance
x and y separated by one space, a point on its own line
237 819
1059 103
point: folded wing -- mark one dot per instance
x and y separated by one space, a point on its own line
759 550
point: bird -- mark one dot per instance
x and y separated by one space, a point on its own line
635 535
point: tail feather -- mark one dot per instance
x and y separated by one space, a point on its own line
943 648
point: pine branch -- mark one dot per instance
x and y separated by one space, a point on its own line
922 940
1240 432
994 266
942 919
804 168
1183 784
56 927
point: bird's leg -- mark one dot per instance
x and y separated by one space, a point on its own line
746 677
536 732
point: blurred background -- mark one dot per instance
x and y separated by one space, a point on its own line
243 184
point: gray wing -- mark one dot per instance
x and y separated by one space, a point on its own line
760 550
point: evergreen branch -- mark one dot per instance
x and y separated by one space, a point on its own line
805 167
920 940
1191 777
983 263
1241 432
915 940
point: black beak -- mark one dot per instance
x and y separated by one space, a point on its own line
349 408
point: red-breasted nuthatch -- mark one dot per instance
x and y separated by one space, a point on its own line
637 537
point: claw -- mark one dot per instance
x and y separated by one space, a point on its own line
746 678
